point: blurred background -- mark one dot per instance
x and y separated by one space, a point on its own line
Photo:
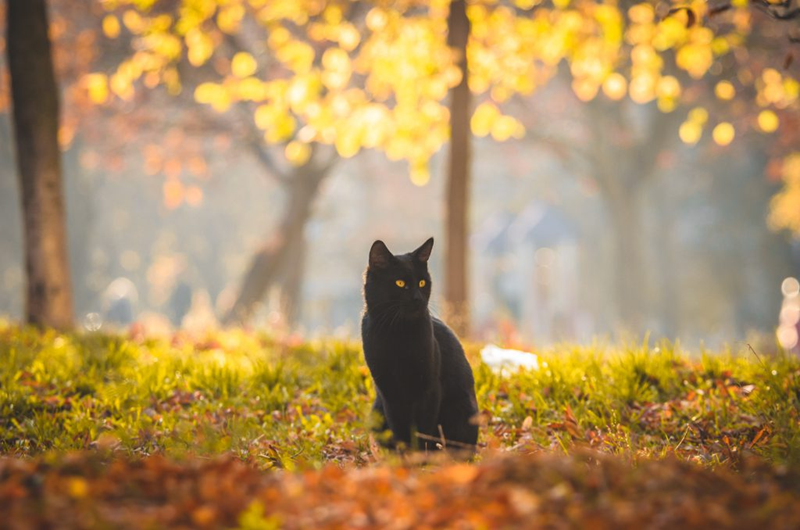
605 208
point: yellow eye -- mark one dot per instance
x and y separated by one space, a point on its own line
422 283
400 283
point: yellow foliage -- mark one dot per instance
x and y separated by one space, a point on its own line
347 142
281 128
348 37
725 90
377 74
376 19
230 17
97 85
615 86
200 47
641 14
698 115
296 55
504 127
668 87
483 119
336 59
720 46
696 59
111 27
297 153
723 133
121 85
643 87
243 65
278 37
213 94
768 121
133 21
690 132
776 89
785 205
669 33
264 116
420 173
585 89
666 104
251 89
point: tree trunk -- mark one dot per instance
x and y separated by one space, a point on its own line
626 219
35 109
292 283
271 262
458 179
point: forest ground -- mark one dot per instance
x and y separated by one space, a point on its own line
239 429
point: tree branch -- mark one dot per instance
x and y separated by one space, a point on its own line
774 9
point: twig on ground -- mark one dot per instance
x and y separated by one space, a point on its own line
448 442
685 433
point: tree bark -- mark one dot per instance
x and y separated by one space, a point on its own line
35 110
271 262
292 283
458 179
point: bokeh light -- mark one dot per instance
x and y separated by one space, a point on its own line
723 133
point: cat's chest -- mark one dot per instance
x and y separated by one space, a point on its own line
400 350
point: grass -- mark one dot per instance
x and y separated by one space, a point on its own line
299 406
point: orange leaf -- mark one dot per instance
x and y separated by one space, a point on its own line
461 473
757 437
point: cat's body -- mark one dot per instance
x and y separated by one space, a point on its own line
422 378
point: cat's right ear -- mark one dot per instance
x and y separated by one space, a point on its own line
379 255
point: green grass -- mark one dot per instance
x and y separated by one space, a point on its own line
301 405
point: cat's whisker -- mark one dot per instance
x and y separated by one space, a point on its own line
396 316
388 315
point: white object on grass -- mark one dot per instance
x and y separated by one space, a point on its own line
502 360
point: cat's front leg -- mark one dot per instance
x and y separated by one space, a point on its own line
427 417
400 418
379 423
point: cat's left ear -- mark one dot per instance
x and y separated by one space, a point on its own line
424 251
379 255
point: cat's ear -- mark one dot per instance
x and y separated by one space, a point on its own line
423 253
379 255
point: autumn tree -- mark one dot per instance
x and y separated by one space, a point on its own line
375 75
85 128
644 77
35 108
458 175
314 85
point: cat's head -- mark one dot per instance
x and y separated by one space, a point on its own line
398 284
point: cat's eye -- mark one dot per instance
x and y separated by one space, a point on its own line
422 283
400 283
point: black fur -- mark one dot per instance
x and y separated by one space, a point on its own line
422 378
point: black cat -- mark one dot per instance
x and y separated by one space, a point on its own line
422 378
